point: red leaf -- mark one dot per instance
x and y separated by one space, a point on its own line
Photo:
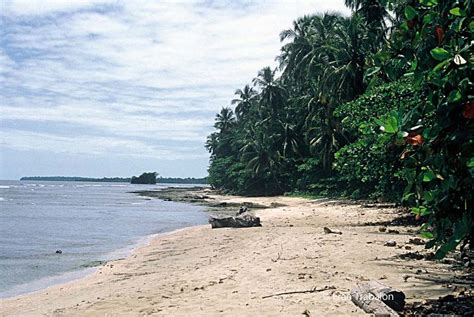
468 112
415 140
439 34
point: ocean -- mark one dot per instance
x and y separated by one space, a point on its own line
88 222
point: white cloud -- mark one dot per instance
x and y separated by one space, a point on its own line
135 69
42 7
99 146
120 124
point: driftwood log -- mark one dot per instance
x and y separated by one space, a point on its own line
241 221
377 298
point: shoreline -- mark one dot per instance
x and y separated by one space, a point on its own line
44 283
88 269
204 271
65 278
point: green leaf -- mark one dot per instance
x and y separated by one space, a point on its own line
440 53
428 176
461 230
378 122
372 71
428 196
441 65
470 163
426 235
410 13
382 56
391 125
408 196
415 210
457 12
414 64
425 211
454 96
471 26
427 19
429 3
404 27
421 211
457 25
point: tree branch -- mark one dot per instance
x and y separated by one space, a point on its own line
313 290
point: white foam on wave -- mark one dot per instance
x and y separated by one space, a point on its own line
55 186
4 187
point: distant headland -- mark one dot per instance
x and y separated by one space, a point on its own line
145 178
166 180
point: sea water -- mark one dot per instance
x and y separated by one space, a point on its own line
88 222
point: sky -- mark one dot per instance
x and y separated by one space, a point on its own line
115 88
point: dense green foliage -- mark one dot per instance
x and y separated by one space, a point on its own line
145 178
368 164
181 180
436 40
376 105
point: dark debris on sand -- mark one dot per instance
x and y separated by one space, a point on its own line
461 304
200 196
404 220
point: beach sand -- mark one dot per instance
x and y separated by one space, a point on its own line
231 272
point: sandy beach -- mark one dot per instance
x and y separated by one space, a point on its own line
240 272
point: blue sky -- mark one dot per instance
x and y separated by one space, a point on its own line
115 88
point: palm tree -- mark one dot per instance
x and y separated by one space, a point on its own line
296 53
272 95
373 11
342 73
299 56
326 58
280 122
244 102
264 162
288 137
225 120
212 143
375 15
220 143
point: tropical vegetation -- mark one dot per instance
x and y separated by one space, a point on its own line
377 105
145 178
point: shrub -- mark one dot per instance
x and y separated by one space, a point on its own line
370 165
437 135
